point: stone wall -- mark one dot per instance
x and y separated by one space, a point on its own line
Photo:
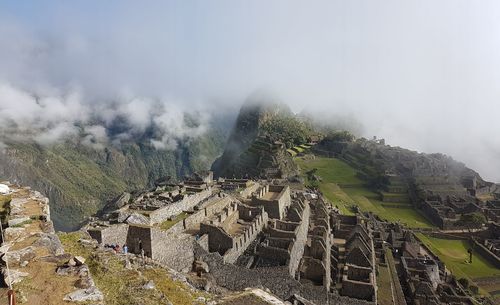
275 208
113 235
175 208
192 221
218 240
138 235
298 247
487 254
357 289
173 250
241 243
247 192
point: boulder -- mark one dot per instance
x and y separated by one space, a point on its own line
149 285
15 276
85 295
122 216
51 242
4 189
138 219
17 221
118 202
26 254
79 260
67 270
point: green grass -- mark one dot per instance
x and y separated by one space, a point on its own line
454 254
341 186
4 207
167 224
331 170
291 152
384 293
121 286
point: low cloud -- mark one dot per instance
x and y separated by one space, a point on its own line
28 116
422 74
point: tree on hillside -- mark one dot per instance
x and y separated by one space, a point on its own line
339 136
288 129
472 220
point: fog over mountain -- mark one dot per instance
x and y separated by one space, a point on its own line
423 74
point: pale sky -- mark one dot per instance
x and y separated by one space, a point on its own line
423 74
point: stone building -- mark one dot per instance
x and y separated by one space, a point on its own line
354 255
316 263
233 229
284 241
274 198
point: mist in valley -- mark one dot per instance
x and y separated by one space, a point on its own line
423 75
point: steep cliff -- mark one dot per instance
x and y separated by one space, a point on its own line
79 180
258 141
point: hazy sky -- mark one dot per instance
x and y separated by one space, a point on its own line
423 74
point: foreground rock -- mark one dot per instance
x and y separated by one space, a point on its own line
33 251
85 295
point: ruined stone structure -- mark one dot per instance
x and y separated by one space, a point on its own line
293 242
354 257
233 229
285 240
274 198
315 265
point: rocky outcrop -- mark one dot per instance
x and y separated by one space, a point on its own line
31 249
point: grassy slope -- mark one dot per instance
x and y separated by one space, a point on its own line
454 254
79 180
343 188
121 286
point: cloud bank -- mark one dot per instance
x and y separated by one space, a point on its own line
424 74
47 119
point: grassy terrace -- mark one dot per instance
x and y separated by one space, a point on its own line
344 189
454 254
384 294
167 224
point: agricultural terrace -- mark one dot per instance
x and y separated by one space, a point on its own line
340 184
454 254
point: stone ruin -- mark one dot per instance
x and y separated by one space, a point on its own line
246 232
443 189
354 258
255 233
264 158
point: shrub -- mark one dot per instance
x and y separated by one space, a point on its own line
474 289
464 282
